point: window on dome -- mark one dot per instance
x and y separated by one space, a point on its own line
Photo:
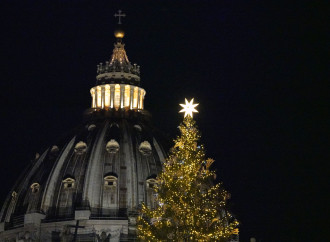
91 127
151 183
127 96
150 192
54 149
68 183
80 148
112 146
35 187
135 97
138 127
145 148
107 96
110 181
117 96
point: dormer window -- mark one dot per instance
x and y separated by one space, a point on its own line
138 127
114 125
69 183
151 183
35 187
54 149
110 181
91 127
145 148
112 146
80 148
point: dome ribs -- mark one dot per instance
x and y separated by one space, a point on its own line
91 171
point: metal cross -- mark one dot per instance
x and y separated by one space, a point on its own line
76 230
119 15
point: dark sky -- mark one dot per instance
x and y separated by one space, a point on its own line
255 67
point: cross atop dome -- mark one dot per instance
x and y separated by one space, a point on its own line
119 33
119 15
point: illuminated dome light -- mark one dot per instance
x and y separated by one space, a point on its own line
119 34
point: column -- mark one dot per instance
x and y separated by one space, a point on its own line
131 97
107 96
93 97
122 89
138 99
96 96
102 97
112 95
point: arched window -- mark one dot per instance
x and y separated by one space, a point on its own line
151 183
35 187
112 146
114 125
80 148
68 183
91 127
109 199
138 127
150 191
110 181
54 149
145 148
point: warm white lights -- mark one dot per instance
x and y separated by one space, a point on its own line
189 108
117 96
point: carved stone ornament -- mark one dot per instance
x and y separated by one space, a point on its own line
35 187
145 148
112 146
80 148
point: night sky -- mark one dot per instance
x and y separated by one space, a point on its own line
255 67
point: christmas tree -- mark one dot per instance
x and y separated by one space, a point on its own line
189 207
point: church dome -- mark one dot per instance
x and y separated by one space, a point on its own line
98 174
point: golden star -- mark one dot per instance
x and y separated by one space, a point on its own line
189 108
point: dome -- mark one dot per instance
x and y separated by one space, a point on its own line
91 183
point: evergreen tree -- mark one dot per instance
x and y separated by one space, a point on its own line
189 207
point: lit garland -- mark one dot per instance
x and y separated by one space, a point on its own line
189 207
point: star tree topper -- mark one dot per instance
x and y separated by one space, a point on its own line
189 108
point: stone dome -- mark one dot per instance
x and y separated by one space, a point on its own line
90 184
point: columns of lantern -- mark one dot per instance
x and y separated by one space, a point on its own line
122 89
93 97
102 97
118 96
131 97
112 95
138 99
